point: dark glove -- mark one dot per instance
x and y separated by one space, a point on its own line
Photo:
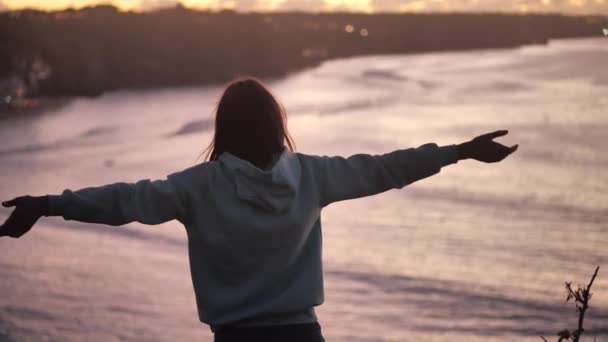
28 210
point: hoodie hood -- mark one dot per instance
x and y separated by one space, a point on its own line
271 190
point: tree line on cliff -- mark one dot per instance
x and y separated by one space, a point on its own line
95 49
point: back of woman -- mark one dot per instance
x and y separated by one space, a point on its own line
254 241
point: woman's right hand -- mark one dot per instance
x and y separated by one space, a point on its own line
484 149
27 211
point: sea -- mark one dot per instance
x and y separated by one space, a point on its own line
478 252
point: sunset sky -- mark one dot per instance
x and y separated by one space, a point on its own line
562 6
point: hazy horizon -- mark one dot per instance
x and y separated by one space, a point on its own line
580 7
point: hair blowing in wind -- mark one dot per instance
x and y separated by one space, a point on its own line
249 123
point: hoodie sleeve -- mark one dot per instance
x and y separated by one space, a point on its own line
148 202
362 175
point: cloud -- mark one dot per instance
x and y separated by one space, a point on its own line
241 5
147 5
302 5
247 5
407 5
3 6
562 6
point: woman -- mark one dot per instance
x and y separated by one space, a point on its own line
252 213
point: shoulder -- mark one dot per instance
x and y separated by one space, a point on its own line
193 173
307 160
313 164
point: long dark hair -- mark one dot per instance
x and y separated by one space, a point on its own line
249 123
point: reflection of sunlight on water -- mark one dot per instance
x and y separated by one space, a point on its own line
478 253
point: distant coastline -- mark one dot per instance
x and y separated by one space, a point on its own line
90 51
33 106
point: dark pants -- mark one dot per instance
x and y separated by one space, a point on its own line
308 332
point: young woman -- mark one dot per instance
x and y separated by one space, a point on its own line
252 213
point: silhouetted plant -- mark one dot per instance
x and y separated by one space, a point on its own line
581 297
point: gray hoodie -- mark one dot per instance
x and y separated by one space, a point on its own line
254 236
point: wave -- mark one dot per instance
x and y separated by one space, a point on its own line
498 87
524 205
438 306
100 130
61 143
384 74
194 126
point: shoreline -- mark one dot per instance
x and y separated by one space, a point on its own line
93 50
32 105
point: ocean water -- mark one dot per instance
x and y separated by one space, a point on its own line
479 252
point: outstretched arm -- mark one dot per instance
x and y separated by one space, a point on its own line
362 175
149 202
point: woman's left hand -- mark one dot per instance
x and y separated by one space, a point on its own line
485 149
28 210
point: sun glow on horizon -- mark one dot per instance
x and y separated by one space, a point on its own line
365 6
51 5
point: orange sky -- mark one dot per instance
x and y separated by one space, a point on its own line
563 6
